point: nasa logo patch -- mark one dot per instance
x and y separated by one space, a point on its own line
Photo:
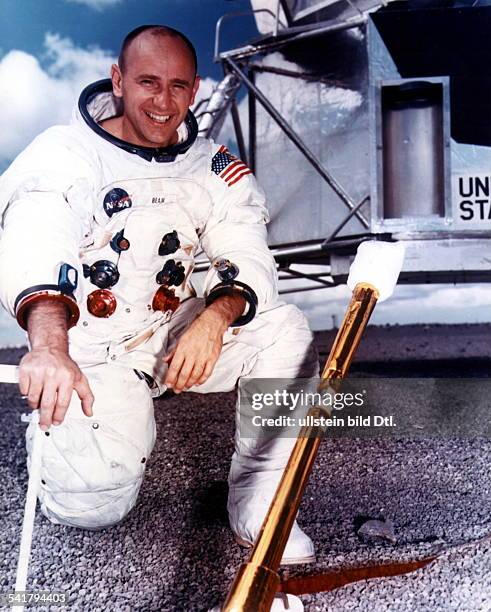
116 200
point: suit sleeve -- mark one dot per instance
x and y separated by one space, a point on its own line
46 208
236 231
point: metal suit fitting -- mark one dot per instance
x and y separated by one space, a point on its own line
102 273
170 243
165 299
67 279
171 274
119 242
226 270
101 303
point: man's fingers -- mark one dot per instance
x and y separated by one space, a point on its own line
174 369
64 396
85 394
23 382
195 374
170 355
47 403
206 373
182 381
48 377
34 391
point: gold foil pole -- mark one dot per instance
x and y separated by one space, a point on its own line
257 581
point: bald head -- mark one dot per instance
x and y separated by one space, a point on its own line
156 81
146 33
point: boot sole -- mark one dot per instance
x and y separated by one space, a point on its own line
285 560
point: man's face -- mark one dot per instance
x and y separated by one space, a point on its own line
158 85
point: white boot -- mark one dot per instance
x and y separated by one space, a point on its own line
287 360
250 494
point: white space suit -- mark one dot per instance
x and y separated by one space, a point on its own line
77 197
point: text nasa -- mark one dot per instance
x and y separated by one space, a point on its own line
474 198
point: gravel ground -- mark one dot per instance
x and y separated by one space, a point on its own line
175 552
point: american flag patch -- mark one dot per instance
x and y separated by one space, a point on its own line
228 167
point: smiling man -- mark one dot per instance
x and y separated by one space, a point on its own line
156 95
101 222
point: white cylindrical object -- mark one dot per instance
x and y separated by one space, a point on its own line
378 264
283 602
9 374
29 510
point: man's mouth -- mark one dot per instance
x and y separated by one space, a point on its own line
158 118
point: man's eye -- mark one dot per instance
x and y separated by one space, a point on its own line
146 82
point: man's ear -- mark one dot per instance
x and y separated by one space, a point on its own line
117 81
196 83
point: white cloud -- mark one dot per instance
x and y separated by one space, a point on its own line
98 5
410 304
33 97
78 65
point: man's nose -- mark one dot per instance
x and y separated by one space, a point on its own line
161 98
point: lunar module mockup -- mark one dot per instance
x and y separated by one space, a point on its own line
366 120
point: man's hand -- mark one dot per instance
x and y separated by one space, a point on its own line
197 351
47 374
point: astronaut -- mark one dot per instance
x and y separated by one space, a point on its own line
102 220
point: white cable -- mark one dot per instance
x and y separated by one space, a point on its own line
29 510
10 374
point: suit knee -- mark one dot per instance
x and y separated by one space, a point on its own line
93 510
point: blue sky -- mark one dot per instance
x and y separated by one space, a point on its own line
24 23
